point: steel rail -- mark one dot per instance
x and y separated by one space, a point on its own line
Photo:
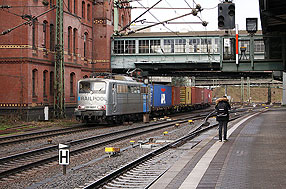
33 136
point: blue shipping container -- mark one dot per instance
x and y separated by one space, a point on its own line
161 95
146 101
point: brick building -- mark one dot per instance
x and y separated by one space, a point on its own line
27 54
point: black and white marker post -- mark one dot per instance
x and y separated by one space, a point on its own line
64 156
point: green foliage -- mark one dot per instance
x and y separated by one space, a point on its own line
179 81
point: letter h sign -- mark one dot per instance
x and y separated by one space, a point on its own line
64 156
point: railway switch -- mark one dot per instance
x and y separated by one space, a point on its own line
112 151
50 141
132 142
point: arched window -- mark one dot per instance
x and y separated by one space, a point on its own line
51 83
45 28
75 7
72 75
122 20
69 39
69 5
85 45
45 73
34 82
88 12
52 37
85 76
74 41
83 10
112 17
34 33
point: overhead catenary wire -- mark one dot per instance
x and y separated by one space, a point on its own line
194 12
187 3
196 9
15 14
129 24
27 22
8 6
176 8
163 22
158 20
177 14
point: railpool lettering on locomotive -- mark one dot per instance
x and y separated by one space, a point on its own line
91 98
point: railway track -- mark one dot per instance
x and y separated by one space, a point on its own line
14 139
144 171
41 134
24 161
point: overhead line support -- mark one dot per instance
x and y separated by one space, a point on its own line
59 104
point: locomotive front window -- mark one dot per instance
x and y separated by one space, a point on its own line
98 87
92 87
84 87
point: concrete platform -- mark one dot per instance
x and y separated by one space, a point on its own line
253 157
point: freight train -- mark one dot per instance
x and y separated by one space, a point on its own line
120 98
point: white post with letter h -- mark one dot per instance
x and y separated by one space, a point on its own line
64 156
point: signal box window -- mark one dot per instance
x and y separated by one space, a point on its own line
155 46
180 45
194 45
118 47
169 45
130 46
143 46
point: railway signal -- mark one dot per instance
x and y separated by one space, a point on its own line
226 15
251 25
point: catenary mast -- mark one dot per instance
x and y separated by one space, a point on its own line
59 104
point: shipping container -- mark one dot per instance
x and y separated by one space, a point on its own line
176 96
210 96
182 95
207 96
197 95
161 95
188 95
145 92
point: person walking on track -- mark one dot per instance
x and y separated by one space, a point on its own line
222 109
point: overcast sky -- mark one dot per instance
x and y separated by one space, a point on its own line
244 9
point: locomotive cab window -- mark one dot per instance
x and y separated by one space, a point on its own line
84 87
94 87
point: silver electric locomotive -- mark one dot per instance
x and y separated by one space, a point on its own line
111 100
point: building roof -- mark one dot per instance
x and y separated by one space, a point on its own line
185 34
273 16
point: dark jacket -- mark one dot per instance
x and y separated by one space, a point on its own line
222 108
